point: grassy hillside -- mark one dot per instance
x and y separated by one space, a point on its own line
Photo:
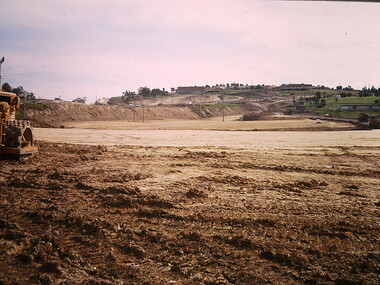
332 102
311 92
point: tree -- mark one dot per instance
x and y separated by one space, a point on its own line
156 92
80 100
365 92
19 91
349 88
144 91
339 87
6 87
321 103
128 95
363 117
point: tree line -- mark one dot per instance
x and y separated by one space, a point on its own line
367 92
144 92
19 91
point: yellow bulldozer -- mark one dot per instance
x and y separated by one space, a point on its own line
16 136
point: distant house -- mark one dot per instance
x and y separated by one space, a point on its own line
190 89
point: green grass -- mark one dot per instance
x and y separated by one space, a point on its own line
19 115
310 93
37 106
296 93
30 106
354 114
353 100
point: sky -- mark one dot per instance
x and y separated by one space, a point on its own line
97 48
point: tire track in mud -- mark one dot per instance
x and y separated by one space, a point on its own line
297 187
187 216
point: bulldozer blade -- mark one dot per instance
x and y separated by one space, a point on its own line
18 152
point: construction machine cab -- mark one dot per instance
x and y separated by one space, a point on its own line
9 104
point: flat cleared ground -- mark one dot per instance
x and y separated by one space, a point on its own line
230 133
234 139
231 123
192 207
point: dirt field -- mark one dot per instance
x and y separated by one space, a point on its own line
230 133
230 123
295 208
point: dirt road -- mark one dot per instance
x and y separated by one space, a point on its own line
291 211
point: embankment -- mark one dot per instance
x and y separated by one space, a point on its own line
54 113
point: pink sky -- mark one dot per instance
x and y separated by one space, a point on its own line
101 48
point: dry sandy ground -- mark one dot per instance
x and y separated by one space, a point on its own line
283 210
215 132
230 123
234 139
230 133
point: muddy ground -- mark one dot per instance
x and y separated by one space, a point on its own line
191 215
